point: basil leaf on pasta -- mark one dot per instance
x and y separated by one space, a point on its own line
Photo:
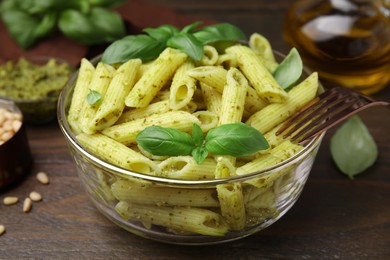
289 70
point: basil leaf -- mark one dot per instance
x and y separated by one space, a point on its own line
199 154
21 26
76 26
108 25
130 47
191 27
289 70
219 32
188 44
352 147
47 25
197 135
165 141
162 33
235 139
99 26
93 97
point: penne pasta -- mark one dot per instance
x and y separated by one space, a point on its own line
210 56
182 88
261 46
138 193
194 220
185 167
118 154
80 93
113 102
160 72
258 75
274 114
99 83
125 133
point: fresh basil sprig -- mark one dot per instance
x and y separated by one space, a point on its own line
229 139
85 21
188 40
289 70
353 148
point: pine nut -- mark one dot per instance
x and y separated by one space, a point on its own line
35 196
10 200
2 230
27 204
43 178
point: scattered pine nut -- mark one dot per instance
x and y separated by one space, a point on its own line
10 200
27 204
35 196
42 178
2 230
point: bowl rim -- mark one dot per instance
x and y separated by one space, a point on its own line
117 170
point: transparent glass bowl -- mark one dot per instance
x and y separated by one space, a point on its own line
263 205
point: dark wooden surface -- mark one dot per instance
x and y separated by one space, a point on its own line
335 218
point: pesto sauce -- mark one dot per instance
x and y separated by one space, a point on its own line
26 80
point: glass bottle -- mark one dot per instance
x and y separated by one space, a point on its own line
346 41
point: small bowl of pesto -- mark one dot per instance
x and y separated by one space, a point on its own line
34 84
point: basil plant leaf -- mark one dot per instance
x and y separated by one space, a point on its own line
199 154
352 147
162 33
235 139
107 24
219 32
165 141
131 47
197 135
47 25
77 26
21 26
188 44
106 3
289 70
191 27
93 97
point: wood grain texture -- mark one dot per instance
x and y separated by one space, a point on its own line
335 218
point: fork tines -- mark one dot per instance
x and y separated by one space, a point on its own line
323 112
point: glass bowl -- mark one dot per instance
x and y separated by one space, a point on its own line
146 202
38 103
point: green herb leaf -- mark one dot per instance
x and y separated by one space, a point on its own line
21 26
188 44
353 148
191 27
219 32
93 97
131 47
165 141
235 139
47 25
197 135
162 33
98 26
199 154
289 70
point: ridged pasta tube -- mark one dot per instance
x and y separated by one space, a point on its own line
137 193
194 220
126 132
274 114
80 93
185 167
99 83
161 70
258 75
262 47
183 87
118 154
114 100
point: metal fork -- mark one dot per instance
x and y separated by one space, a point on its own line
325 111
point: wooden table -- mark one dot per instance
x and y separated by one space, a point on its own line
335 218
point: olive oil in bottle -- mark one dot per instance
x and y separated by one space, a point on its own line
346 41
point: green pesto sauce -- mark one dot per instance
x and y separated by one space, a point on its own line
26 80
